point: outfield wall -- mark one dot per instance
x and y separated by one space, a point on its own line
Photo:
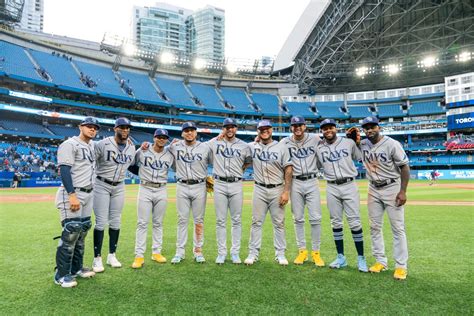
458 174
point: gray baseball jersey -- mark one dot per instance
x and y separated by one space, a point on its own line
154 166
302 153
383 160
112 161
191 161
228 157
337 158
269 162
81 157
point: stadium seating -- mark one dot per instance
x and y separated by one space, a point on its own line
331 110
390 110
66 131
104 77
359 111
60 69
268 104
441 160
142 87
425 108
208 97
23 126
15 61
238 99
175 92
301 108
140 136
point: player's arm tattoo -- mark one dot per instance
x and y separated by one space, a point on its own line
288 177
405 177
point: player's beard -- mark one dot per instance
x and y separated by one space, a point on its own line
121 136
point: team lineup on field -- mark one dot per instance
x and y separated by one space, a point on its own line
93 175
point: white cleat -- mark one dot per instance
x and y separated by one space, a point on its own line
282 260
250 260
236 259
97 265
220 259
84 273
112 261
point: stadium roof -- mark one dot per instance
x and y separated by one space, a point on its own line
378 44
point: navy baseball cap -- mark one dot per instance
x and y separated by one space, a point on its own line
89 120
161 132
297 120
370 120
264 123
229 122
327 122
188 125
122 121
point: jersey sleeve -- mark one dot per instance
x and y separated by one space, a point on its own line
138 156
66 154
356 152
285 157
248 155
399 156
98 150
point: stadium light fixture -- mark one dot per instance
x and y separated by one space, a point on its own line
129 49
362 71
199 63
231 68
392 69
428 62
167 58
463 57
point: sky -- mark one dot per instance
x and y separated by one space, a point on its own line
254 28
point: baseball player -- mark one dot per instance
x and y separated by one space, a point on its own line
192 158
388 173
230 157
337 155
76 160
153 165
305 188
113 155
273 173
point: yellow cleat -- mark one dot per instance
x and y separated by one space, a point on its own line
377 268
400 274
302 257
316 255
158 257
138 263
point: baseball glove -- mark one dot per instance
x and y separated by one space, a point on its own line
354 134
209 184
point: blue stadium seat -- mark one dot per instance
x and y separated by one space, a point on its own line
359 111
268 104
140 136
66 131
238 99
142 87
390 110
208 97
331 110
23 126
104 77
301 108
60 69
15 61
425 108
176 92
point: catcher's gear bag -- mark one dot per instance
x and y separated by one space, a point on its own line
354 134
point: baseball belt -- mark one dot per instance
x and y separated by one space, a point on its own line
268 186
86 190
108 181
305 177
341 181
381 184
228 180
190 182
153 184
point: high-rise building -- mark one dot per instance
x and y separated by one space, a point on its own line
32 16
206 34
162 27
165 27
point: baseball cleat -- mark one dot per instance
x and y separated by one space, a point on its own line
66 281
377 268
158 257
362 264
400 274
340 262
236 259
250 260
113 261
316 256
97 265
302 257
84 273
138 262
220 259
176 259
199 258
282 260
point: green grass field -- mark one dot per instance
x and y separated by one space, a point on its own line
440 281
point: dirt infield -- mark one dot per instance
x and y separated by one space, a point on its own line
32 198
